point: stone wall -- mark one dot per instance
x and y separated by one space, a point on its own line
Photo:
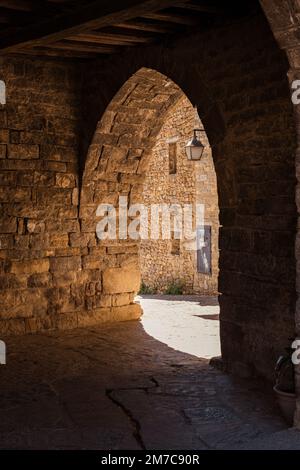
49 277
38 194
193 182
284 20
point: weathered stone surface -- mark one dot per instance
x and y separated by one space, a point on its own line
24 151
2 151
10 195
8 224
4 136
167 262
118 280
30 266
65 264
126 312
121 299
42 279
65 180
75 390
22 303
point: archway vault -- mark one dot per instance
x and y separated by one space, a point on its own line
240 101
116 165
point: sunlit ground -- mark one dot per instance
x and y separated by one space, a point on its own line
186 323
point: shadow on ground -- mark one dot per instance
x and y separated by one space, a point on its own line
116 387
205 300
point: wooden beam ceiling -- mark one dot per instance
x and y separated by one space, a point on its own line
87 29
93 16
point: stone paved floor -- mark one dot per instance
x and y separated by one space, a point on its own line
119 387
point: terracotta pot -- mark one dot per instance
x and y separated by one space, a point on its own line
287 404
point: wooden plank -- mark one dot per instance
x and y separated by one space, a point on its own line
111 39
89 17
57 53
205 6
83 47
172 18
126 32
139 25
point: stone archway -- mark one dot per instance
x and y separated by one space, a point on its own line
255 177
116 165
236 75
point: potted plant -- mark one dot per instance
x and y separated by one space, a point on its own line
285 385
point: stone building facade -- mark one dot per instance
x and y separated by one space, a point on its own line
173 179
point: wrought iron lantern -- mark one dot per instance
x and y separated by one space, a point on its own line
194 148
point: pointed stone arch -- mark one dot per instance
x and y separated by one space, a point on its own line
116 165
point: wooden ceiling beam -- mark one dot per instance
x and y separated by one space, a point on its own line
171 18
83 47
111 39
93 16
152 27
204 6
49 52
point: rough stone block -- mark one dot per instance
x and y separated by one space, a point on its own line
91 262
59 240
4 136
119 280
23 151
105 315
8 194
2 151
119 300
126 312
65 264
67 321
30 266
8 224
13 326
65 180
40 280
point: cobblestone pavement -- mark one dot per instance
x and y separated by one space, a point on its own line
119 387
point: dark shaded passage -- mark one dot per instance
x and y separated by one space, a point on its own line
116 387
